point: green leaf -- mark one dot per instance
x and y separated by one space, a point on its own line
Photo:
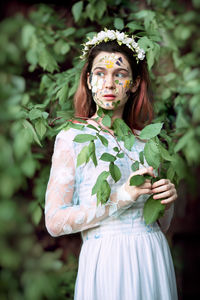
37 215
120 155
83 156
92 152
153 210
184 140
150 131
137 180
75 126
134 26
129 141
170 172
69 31
100 8
115 172
32 131
165 153
100 179
135 166
141 157
100 112
120 128
103 192
40 128
92 127
34 114
118 23
46 60
27 33
106 121
62 94
77 10
116 149
108 157
103 140
82 138
152 154
65 48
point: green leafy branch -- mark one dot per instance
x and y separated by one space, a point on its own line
153 152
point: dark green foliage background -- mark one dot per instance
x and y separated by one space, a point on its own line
40 69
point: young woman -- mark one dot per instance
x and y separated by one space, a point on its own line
121 257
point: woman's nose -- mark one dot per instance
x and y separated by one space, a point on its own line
110 82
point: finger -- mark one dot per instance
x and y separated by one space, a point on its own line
164 195
143 171
169 200
162 188
161 182
144 192
145 185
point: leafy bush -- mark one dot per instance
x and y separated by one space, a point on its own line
40 69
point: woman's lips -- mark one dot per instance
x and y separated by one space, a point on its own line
109 96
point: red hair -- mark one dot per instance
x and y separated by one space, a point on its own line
138 110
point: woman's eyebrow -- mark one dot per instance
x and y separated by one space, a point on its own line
117 69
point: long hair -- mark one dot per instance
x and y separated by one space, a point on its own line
138 109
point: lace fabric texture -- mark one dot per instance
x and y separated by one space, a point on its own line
69 205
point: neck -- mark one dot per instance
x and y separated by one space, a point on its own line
117 113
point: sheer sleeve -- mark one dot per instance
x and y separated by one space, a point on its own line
62 215
165 221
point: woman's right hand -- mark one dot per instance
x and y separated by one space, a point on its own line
143 189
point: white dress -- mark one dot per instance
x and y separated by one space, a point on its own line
121 257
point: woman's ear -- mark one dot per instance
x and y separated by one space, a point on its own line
135 85
89 81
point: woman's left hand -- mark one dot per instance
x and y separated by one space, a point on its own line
164 189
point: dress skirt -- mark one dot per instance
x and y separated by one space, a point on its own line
125 263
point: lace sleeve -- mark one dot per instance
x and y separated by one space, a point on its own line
165 221
62 215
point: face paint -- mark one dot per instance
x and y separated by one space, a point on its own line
109 64
110 80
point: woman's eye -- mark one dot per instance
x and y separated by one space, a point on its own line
120 75
101 74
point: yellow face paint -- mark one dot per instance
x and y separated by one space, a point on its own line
109 64
127 84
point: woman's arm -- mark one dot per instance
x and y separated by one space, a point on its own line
62 216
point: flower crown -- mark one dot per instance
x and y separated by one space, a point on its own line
110 35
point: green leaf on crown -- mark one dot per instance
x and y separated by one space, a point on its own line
150 131
115 172
153 210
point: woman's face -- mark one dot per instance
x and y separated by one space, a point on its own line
111 80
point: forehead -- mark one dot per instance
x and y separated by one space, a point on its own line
115 57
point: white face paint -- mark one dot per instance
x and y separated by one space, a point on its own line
110 80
